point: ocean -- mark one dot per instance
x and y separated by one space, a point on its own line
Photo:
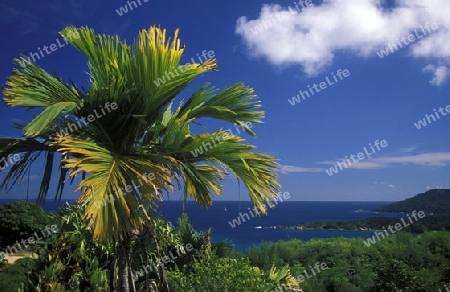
249 233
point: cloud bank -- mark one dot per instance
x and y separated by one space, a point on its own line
290 168
432 159
314 36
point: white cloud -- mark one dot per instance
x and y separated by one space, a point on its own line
362 164
432 159
426 159
392 188
291 168
311 38
378 182
406 150
440 74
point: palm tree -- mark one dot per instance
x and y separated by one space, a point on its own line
138 128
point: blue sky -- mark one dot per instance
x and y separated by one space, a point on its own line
290 51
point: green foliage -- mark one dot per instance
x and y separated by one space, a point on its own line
74 260
19 220
428 223
224 248
170 240
433 201
14 276
216 269
187 234
283 276
278 254
220 275
398 263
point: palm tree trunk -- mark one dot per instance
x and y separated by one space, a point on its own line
124 261
163 282
112 271
131 280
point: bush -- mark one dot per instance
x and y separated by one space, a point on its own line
220 274
19 220
15 276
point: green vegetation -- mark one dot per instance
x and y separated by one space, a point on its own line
220 274
74 261
435 201
378 223
139 128
19 219
398 263
14 277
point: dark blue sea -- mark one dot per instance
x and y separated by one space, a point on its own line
285 213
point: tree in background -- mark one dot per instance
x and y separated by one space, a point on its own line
19 220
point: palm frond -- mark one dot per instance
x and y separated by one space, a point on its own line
31 87
108 61
255 169
233 104
29 150
125 75
46 177
107 193
201 181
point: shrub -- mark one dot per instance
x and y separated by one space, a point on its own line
14 276
220 274
19 220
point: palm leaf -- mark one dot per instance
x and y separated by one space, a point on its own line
33 87
234 104
143 135
110 172
47 117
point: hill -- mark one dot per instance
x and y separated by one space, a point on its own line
435 201
429 223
